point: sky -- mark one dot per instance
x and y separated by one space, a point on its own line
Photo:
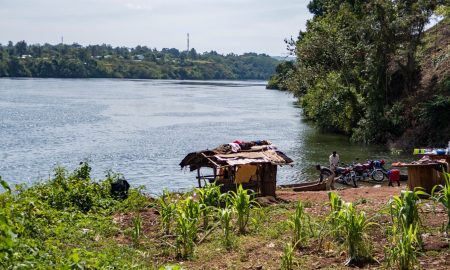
225 26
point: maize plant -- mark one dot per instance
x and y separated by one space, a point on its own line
287 259
226 215
404 209
191 208
336 204
354 225
443 196
241 202
299 223
167 210
186 231
209 197
403 251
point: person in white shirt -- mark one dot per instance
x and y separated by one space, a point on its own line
334 161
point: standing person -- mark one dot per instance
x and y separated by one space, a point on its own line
334 161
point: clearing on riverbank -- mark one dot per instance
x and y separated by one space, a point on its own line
71 222
262 246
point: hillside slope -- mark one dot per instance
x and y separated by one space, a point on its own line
428 109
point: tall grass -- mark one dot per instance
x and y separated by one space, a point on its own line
241 202
137 230
354 225
443 196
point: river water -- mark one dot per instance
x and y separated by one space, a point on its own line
144 128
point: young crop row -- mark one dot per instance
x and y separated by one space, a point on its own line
345 225
350 227
182 216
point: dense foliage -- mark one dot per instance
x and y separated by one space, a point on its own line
141 62
64 223
369 69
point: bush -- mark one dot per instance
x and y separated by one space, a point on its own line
46 225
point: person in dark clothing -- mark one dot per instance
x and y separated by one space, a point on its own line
119 189
324 172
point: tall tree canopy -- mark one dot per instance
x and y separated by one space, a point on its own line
357 60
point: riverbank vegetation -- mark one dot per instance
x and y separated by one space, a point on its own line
73 222
371 70
104 61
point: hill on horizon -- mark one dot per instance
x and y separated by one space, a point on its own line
140 62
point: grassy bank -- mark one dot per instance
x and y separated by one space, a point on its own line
72 222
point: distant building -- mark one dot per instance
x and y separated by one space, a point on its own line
25 56
139 57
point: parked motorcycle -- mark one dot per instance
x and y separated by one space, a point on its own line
379 166
345 175
372 169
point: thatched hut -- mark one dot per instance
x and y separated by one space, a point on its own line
252 164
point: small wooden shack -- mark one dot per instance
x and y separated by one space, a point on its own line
252 164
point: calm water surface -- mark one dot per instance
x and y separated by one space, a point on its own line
143 128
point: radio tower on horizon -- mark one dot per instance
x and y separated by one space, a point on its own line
188 42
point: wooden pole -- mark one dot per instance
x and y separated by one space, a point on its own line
199 181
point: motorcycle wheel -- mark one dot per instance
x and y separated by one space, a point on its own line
346 179
378 175
354 182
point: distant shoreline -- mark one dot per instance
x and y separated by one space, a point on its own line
103 61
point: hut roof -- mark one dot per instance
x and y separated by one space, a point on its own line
236 154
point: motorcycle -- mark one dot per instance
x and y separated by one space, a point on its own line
345 175
381 172
372 169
